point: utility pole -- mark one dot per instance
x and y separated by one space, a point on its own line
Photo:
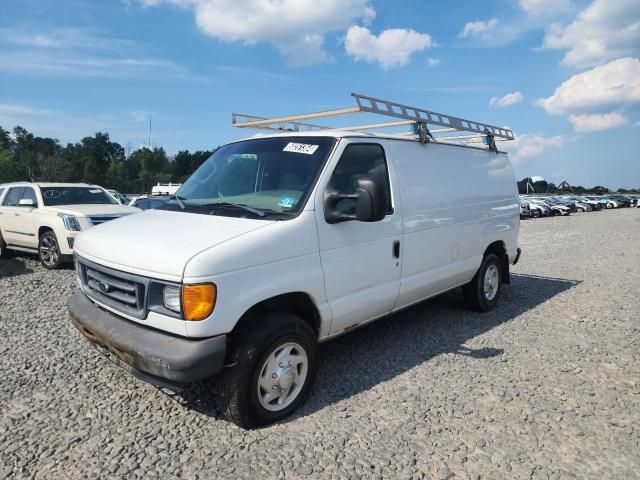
149 143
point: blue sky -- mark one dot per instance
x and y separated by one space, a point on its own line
563 74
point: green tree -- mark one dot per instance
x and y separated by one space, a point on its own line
154 167
181 166
95 154
115 176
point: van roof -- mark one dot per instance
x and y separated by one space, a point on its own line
337 133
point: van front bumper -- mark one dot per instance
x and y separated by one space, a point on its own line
146 350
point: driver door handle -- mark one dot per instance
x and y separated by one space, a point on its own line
396 249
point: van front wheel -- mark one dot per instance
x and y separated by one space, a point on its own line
273 363
482 292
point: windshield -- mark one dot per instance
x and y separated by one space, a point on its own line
256 178
53 196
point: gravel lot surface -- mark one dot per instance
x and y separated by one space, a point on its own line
545 386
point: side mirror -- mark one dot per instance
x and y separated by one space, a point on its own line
370 200
26 202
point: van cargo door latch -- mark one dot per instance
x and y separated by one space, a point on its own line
396 249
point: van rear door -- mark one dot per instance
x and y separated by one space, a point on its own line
361 261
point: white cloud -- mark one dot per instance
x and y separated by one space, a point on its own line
295 27
529 145
63 38
596 122
433 61
18 109
543 7
392 48
480 29
68 63
605 30
78 52
612 85
506 101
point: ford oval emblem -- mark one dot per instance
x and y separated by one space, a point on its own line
104 287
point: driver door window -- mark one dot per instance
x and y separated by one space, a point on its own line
30 194
358 161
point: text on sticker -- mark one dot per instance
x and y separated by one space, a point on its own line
300 148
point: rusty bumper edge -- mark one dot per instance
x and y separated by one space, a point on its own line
145 349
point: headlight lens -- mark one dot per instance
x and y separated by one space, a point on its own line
198 301
70 222
171 298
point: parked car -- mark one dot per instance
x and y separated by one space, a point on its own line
550 209
45 218
622 199
280 242
557 201
533 209
604 202
585 201
165 188
150 202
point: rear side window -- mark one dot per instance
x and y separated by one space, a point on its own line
358 161
29 193
13 197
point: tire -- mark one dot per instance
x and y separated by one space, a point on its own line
49 251
243 388
581 210
476 297
535 213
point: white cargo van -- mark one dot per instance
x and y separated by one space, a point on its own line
279 242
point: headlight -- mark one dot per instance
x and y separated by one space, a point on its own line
70 222
171 298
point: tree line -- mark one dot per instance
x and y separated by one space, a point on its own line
96 160
527 185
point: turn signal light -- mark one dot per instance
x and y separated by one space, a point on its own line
198 301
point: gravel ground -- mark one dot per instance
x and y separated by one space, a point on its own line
545 386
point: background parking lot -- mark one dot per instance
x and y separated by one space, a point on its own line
545 386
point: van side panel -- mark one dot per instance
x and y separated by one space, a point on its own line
455 202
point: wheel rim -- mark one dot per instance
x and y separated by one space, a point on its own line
49 251
282 377
491 282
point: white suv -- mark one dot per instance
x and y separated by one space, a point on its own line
45 218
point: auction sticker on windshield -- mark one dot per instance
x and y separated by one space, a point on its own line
305 148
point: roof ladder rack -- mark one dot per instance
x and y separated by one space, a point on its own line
418 118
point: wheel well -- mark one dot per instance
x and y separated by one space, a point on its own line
41 230
499 249
296 303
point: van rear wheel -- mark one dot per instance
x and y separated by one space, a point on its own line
273 365
482 292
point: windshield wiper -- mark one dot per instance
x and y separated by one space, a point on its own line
255 211
178 199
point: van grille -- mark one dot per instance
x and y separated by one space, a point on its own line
121 291
98 219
